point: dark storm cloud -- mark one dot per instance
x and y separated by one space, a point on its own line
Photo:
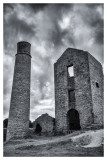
51 29
20 25
99 36
92 16
13 25
94 5
60 8
53 13
57 12
7 7
98 23
37 7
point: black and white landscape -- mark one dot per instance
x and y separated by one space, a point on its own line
51 29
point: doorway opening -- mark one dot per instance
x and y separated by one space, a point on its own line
73 120
38 129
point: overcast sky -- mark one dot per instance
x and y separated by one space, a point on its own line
51 29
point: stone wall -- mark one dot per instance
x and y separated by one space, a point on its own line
97 89
46 122
18 123
81 85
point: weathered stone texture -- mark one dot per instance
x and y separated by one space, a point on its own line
18 123
46 122
81 85
96 76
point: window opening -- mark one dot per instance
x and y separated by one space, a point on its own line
71 96
71 71
97 85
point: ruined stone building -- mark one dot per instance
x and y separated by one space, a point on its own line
78 91
78 94
46 123
18 122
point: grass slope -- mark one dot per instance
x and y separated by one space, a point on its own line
62 146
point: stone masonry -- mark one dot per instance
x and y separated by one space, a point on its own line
85 89
46 122
18 123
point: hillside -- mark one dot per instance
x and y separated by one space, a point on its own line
80 143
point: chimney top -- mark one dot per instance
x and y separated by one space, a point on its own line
23 47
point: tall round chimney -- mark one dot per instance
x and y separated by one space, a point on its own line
18 122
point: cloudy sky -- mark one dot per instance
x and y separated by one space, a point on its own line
51 29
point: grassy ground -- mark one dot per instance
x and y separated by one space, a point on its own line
41 146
